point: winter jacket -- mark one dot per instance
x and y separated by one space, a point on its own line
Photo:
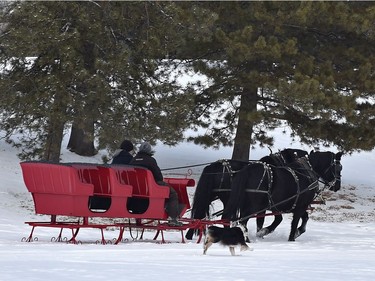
122 157
146 160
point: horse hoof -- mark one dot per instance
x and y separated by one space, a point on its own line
297 234
263 232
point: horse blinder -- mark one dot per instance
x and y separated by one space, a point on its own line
338 169
337 174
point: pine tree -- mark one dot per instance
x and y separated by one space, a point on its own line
105 67
306 65
96 65
146 82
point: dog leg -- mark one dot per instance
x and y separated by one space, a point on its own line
244 247
206 246
207 243
231 249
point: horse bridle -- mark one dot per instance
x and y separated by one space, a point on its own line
337 168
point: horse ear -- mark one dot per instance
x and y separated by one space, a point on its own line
312 151
338 155
270 150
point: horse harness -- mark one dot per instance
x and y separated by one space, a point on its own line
309 173
226 169
337 167
269 175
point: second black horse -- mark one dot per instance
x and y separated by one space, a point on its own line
282 189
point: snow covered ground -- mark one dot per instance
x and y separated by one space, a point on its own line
339 243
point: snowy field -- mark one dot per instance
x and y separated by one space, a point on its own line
339 243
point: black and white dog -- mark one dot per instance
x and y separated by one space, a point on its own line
231 237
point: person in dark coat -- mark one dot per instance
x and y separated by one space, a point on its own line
122 155
144 159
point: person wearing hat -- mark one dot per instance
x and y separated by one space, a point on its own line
144 158
122 155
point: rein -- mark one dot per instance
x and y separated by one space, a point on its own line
204 164
182 167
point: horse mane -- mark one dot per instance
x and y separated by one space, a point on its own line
283 157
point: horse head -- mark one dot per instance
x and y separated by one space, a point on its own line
328 166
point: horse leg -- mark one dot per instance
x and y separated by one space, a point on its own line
243 226
271 228
293 230
260 222
200 214
246 234
189 234
302 228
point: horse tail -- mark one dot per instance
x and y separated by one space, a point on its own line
203 192
238 188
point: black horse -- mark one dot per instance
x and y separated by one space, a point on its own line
214 183
279 159
318 162
288 189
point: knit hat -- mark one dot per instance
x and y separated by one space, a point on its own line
146 148
127 145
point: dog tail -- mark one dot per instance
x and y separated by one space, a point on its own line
239 184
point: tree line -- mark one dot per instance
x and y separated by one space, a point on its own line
103 71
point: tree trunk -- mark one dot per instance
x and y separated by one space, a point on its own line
81 139
242 141
55 129
55 134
